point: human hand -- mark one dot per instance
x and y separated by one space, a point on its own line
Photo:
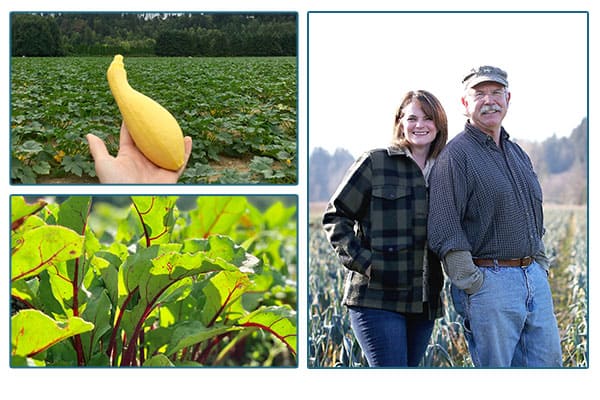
130 165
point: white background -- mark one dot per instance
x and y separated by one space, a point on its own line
302 382
360 66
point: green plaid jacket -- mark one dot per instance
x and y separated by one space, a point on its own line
377 218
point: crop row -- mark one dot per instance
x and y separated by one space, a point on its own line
332 344
242 108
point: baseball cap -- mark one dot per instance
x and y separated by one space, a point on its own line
485 73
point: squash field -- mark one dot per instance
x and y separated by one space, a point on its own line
240 113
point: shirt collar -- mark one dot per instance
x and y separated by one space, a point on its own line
481 136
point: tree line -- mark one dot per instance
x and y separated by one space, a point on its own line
560 163
147 34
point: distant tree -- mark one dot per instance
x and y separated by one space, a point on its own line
340 162
163 34
579 138
212 43
562 164
318 181
559 154
326 171
35 36
174 43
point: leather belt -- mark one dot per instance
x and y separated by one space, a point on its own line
513 262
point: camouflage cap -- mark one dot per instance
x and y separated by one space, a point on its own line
485 73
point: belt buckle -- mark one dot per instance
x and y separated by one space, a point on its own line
523 260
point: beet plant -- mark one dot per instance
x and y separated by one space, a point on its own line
151 284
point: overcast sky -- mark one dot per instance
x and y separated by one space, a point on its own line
360 64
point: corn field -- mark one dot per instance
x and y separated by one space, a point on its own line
332 344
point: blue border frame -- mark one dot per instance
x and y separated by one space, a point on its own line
297 161
587 13
298 346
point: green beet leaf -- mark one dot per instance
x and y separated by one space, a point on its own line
20 210
188 333
216 215
42 248
144 283
279 321
33 331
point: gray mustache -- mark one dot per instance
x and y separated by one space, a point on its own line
490 108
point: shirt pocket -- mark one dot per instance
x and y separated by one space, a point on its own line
392 237
392 217
391 192
392 268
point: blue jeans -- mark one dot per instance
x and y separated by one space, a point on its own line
390 339
510 321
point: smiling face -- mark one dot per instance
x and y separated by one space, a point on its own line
486 105
419 129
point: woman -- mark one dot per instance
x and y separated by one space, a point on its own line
376 222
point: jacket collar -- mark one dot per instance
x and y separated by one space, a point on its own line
397 151
404 151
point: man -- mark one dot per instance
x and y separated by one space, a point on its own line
486 224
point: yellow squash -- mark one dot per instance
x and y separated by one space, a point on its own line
153 129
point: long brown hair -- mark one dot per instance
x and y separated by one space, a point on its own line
432 108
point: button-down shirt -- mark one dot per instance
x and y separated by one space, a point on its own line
485 199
